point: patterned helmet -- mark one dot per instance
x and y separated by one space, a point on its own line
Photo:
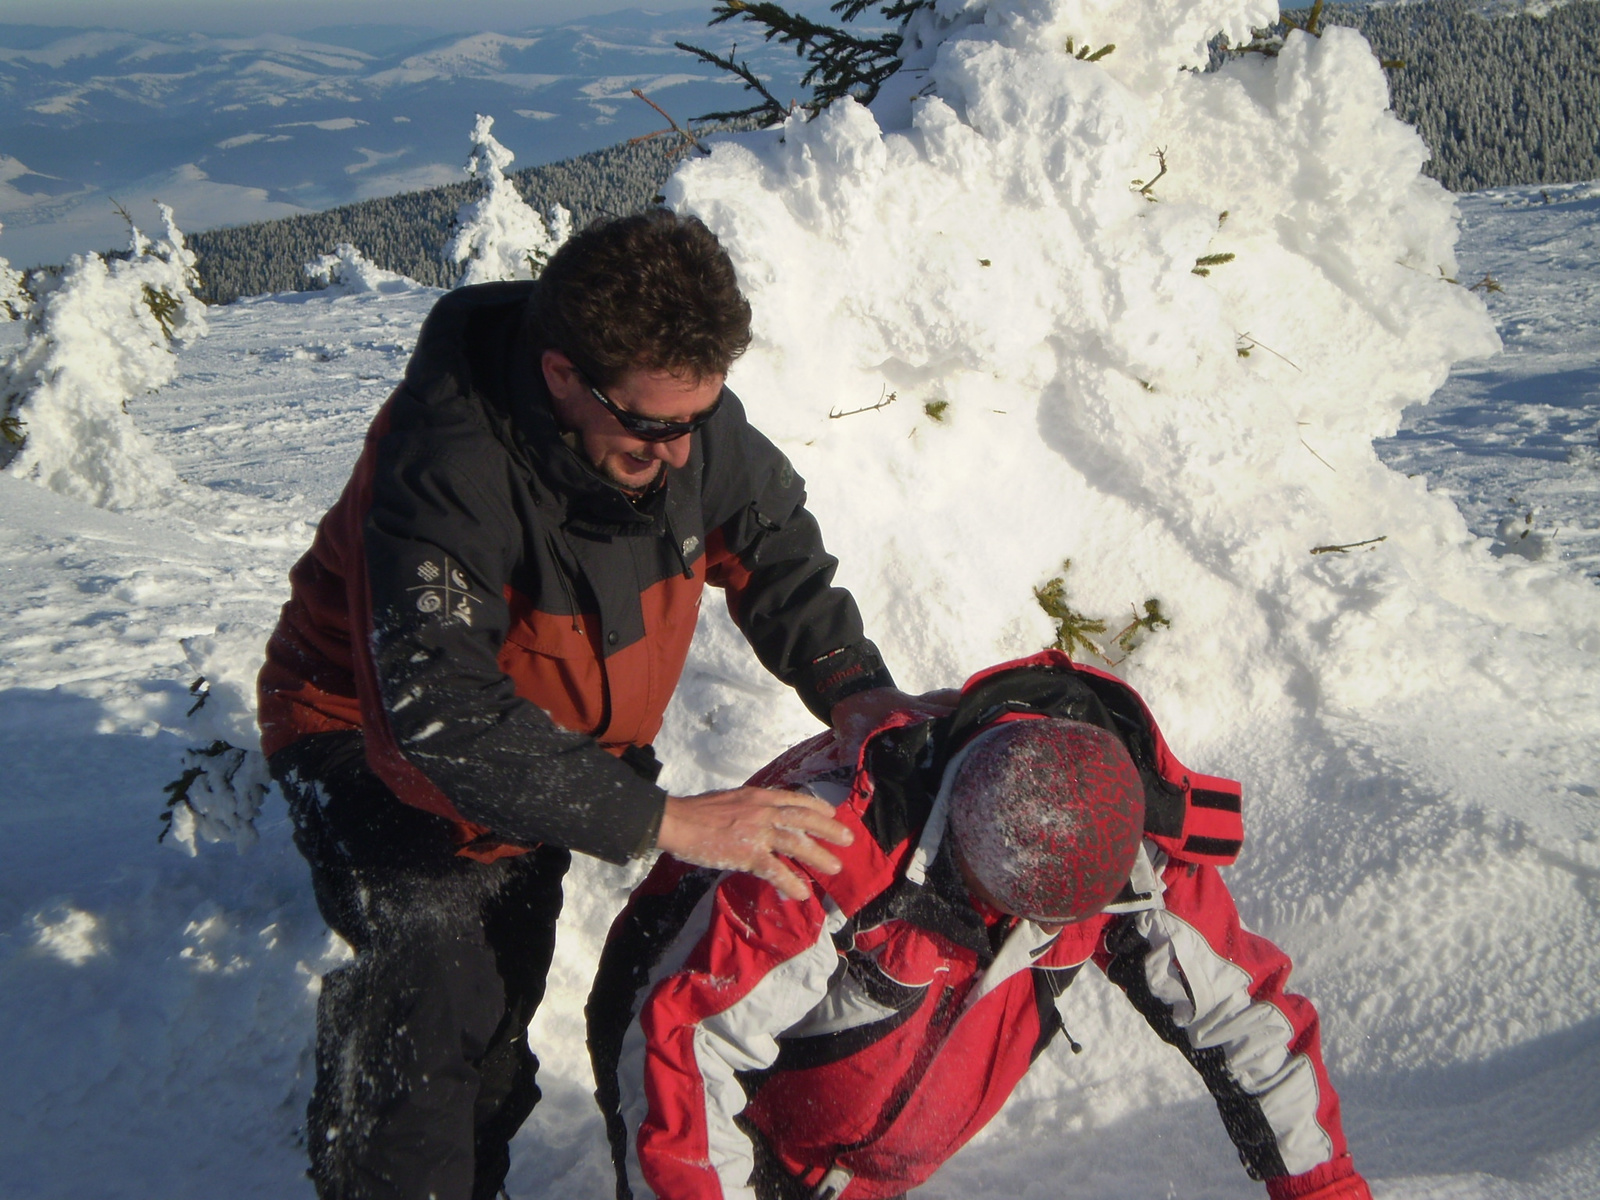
1046 816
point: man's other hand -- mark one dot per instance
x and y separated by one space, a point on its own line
854 717
754 829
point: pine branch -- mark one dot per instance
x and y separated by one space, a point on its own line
770 110
842 63
1072 627
1203 264
163 306
1313 22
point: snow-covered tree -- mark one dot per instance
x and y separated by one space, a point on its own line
498 236
102 334
14 302
348 272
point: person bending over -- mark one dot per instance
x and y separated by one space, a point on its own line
844 1045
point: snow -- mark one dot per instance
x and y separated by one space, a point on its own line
498 236
1518 436
348 272
99 337
1414 720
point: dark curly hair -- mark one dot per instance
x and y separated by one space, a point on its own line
655 291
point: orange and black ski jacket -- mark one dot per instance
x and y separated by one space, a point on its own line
494 616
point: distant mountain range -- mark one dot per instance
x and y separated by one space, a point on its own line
235 129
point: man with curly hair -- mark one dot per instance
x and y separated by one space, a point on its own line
477 653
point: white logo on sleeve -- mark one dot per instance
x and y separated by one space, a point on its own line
445 589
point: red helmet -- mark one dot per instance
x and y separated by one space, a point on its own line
1047 815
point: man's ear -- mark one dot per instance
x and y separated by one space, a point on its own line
560 376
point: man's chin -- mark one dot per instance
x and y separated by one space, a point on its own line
632 482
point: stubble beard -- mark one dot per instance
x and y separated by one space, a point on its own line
634 487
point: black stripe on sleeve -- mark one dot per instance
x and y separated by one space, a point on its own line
1242 1115
1220 847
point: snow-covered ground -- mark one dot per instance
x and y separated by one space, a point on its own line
1415 719
158 1008
1516 438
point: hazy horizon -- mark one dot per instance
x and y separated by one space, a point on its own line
245 17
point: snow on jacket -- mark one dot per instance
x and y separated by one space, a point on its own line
868 1032
495 616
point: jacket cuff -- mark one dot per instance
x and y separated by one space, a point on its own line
647 846
1333 1180
825 681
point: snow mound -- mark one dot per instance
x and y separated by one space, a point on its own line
1150 321
223 780
101 334
1028 308
348 272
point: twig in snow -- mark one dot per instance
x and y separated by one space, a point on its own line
1152 620
884 401
1315 455
1255 343
1161 157
1347 545
1489 284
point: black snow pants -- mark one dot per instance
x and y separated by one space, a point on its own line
423 1067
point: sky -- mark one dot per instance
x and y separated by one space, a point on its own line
286 16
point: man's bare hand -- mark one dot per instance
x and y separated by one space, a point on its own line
754 829
856 716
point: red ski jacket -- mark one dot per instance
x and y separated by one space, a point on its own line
867 1033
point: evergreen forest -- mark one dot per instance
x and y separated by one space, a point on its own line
1500 100
407 233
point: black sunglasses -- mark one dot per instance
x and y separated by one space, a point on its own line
654 429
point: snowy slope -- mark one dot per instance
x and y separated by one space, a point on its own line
1516 439
158 1008
1415 720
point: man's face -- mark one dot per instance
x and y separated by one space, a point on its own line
631 463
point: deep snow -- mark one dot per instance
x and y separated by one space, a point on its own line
1415 721
158 1007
